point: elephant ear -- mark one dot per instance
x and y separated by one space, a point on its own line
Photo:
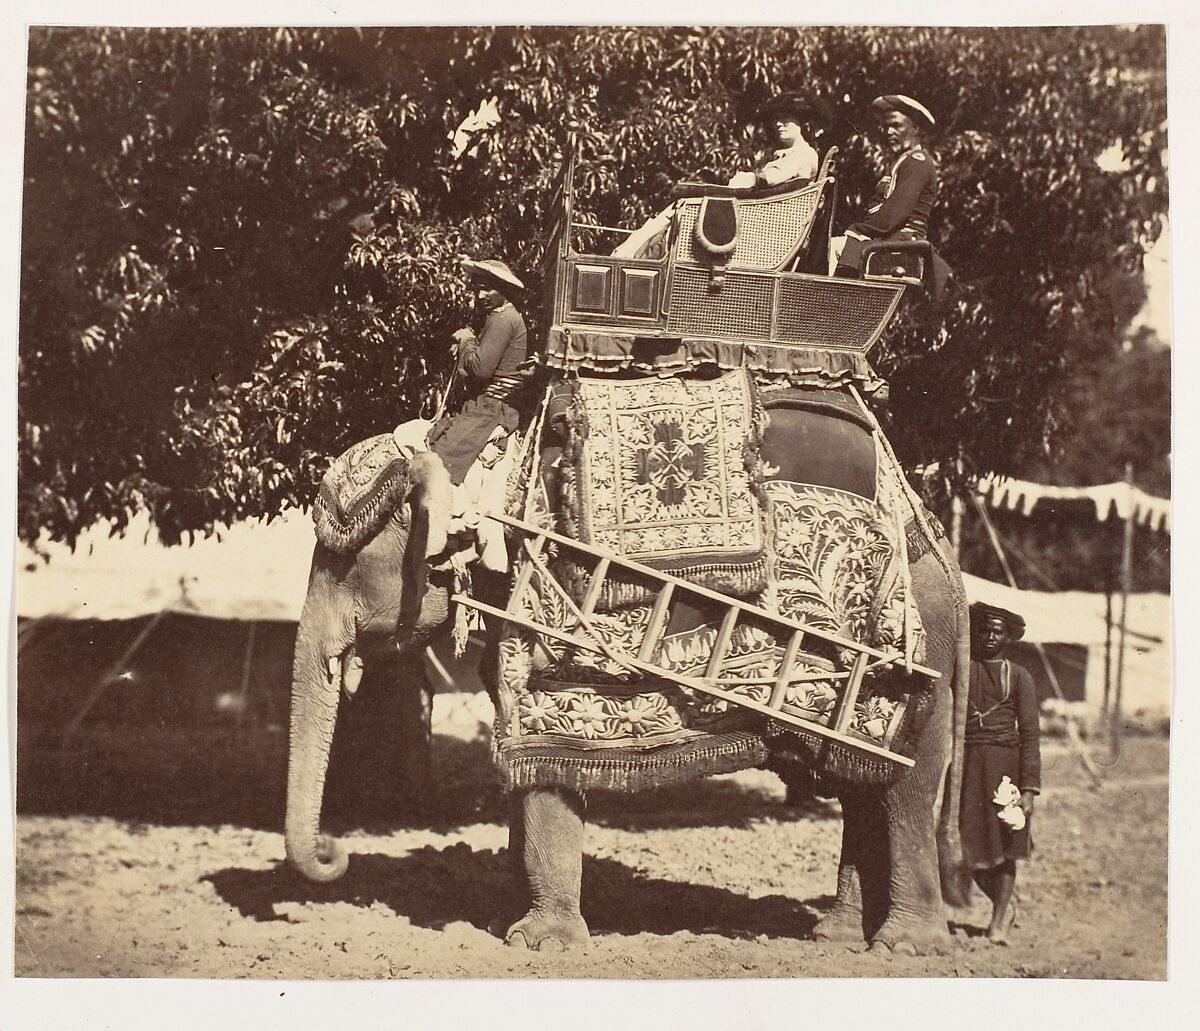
429 494
429 520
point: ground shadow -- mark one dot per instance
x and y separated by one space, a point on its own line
237 775
967 930
434 887
212 776
713 802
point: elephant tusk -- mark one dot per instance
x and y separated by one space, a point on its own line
352 674
333 667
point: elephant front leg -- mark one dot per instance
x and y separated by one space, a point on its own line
552 850
916 921
862 888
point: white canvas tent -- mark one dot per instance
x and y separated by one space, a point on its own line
1078 618
253 570
247 582
259 571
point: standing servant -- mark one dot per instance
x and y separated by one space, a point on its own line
1002 763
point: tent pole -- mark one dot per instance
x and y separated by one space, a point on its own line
956 525
1108 649
114 670
26 633
957 508
1126 581
247 664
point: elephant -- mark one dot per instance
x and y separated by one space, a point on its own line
900 857
898 860
370 603
890 885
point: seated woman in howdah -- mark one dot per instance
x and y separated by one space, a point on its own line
792 120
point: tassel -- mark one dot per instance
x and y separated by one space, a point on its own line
462 613
829 758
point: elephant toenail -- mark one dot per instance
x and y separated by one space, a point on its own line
550 945
904 949
880 946
516 940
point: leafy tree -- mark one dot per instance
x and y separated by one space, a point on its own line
1120 413
240 246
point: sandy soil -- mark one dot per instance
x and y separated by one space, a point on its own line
157 853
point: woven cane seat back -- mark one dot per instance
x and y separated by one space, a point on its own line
769 229
809 311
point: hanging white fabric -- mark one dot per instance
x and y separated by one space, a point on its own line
1122 498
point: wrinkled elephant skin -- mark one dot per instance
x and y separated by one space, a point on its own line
889 883
889 891
355 605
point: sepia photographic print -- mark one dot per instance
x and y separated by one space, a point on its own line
593 502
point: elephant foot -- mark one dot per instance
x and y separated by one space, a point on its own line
500 924
842 924
547 932
901 940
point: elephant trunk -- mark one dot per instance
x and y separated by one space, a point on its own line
316 685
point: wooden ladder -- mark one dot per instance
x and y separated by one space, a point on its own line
866 659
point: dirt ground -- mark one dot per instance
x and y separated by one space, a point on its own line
157 853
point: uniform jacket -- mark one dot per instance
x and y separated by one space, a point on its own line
902 200
499 350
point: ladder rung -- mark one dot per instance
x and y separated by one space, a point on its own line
658 619
845 709
525 574
803 678
695 683
667 580
795 643
595 587
721 645
889 735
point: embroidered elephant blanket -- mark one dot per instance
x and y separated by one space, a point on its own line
571 717
667 471
359 491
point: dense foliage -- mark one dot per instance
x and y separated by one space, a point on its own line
240 246
1119 417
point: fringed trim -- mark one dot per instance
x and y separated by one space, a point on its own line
629 772
344 532
741 578
831 758
670 356
742 575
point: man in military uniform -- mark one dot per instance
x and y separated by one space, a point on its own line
900 208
